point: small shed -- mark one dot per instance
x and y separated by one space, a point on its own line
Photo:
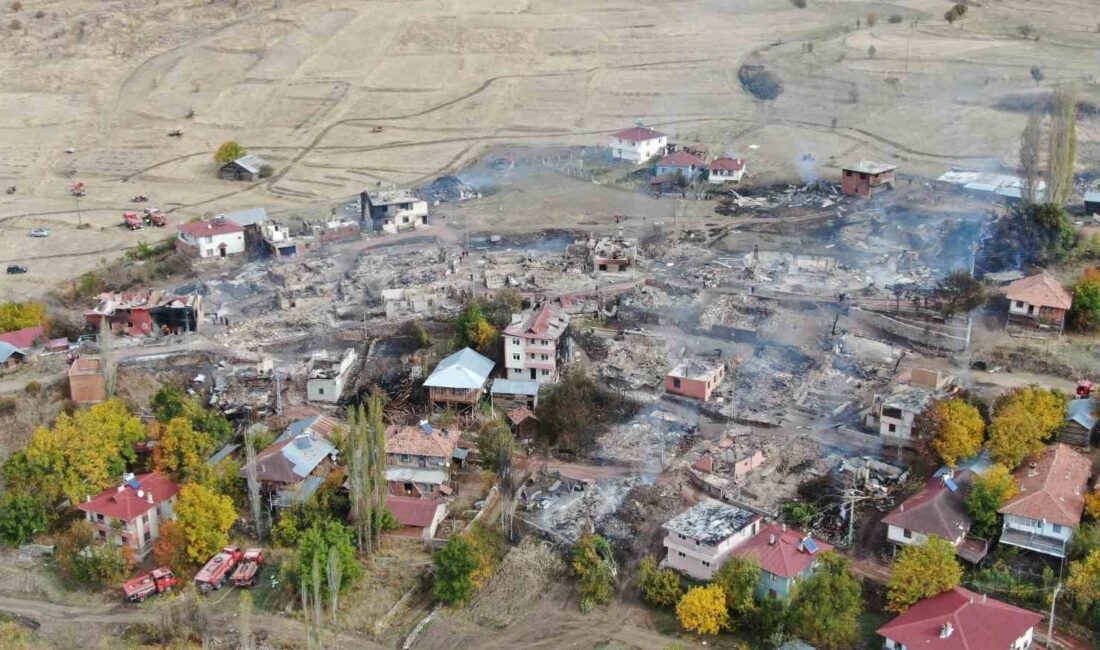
523 421
1082 418
245 168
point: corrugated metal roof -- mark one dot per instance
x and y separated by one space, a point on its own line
464 369
1084 412
250 217
222 454
416 475
514 387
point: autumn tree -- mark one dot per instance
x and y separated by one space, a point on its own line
1062 154
660 587
20 315
1024 418
703 610
170 548
825 608
474 330
594 565
494 440
923 571
86 452
1085 314
180 448
1084 580
85 562
990 491
454 566
205 518
738 578
487 546
955 429
228 152
1092 503
1030 152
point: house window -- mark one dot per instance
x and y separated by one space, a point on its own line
1056 528
515 341
405 458
544 357
320 391
893 428
675 382
99 517
515 357
681 536
408 487
906 533
1019 304
681 554
148 536
545 373
705 563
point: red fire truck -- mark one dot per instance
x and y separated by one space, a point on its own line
155 582
249 568
218 569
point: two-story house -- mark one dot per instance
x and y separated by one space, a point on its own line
131 513
459 381
1044 515
533 344
392 211
295 465
784 556
701 539
937 509
638 144
960 619
217 237
1038 302
418 460
327 378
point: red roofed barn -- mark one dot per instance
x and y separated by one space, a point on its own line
961 620
680 162
1039 301
140 503
638 145
418 517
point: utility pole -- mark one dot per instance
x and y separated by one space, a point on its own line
1050 621
79 220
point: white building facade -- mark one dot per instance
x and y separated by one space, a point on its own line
638 144
533 345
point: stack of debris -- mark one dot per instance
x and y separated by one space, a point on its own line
449 188
636 361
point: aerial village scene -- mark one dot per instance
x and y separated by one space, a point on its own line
550 324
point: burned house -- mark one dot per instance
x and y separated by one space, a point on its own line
719 471
146 313
867 178
612 254
938 509
410 301
460 380
534 343
327 378
701 539
87 381
1038 303
419 460
892 416
294 466
246 168
694 380
392 211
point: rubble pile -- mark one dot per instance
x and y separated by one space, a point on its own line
766 385
818 194
448 188
735 311
635 361
568 514
651 441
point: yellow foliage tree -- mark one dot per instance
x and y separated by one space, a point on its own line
1023 419
18 315
922 571
180 448
1084 579
958 430
204 517
87 451
703 610
228 152
1092 503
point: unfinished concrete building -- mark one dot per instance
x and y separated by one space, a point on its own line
867 178
612 254
695 379
327 378
87 381
392 211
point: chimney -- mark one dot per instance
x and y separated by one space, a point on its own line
141 494
121 487
87 498
771 539
971 599
902 508
983 598
149 497
946 631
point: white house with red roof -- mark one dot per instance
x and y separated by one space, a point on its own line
961 620
218 237
1038 301
132 513
638 144
784 556
1043 516
533 344
680 162
725 170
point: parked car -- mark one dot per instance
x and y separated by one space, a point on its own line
13 269
40 232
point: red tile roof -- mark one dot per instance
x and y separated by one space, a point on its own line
725 163
935 510
127 503
1041 290
209 228
1052 487
25 337
784 558
521 414
411 511
977 622
413 441
638 134
680 159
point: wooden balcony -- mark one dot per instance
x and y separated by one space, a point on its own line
454 395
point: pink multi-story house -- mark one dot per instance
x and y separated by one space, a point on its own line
702 538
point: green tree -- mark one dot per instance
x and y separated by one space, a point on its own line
454 568
205 518
1062 155
738 578
956 429
1084 579
1085 314
1031 149
703 610
660 587
991 491
212 423
317 541
825 608
82 560
574 411
167 403
923 571
22 516
228 152
474 330
86 452
1086 539
20 315
1031 234
958 292
594 566
180 448
494 440
1024 418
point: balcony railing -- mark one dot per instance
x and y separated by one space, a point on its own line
1041 543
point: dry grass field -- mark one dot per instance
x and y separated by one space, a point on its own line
306 83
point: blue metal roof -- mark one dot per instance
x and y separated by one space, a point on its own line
1084 412
810 545
515 387
7 350
296 428
464 369
951 484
